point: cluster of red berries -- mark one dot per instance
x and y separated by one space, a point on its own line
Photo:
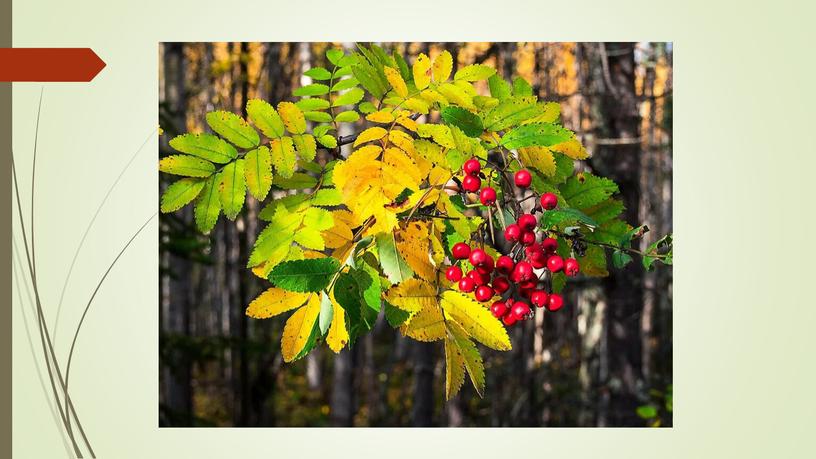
514 281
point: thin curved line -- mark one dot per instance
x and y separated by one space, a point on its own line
88 230
41 323
33 174
96 290
18 268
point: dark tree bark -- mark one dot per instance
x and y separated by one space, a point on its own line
423 384
621 161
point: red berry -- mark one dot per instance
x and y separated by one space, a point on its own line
555 263
549 201
477 277
549 244
539 298
487 196
539 263
528 238
528 284
512 233
509 319
520 310
471 166
555 302
525 293
471 183
478 257
500 284
522 272
483 293
504 264
498 309
454 273
571 267
460 251
527 222
523 178
466 285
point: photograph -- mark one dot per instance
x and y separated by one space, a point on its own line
415 234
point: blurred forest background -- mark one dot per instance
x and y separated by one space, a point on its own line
604 360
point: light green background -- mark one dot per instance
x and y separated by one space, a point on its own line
744 158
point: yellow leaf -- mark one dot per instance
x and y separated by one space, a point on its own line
418 105
442 66
381 116
437 249
552 110
373 133
476 320
425 325
370 186
440 133
422 71
407 123
539 158
412 295
413 243
572 148
456 95
401 140
454 368
471 358
339 234
432 97
298 328
292 117
275 301
393 76
338 336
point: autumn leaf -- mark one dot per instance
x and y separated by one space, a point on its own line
442 66
412 295
338 335
475 319
275 301
298 328
413 240
396 81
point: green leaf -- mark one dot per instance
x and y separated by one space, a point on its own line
345 84
258 172
585 190
605 211
468 122
314 89
274 242
326 313
334 55
395 316
394 267
328 141
312 104
318 73
180 193
265 117
538 134
188 166
620 259
208 206
521 87
347 117
283 156
556 217
205 146
232 189
647 411
350 97
367 107
318 117
510 112
368 77
327 197
310 275
402 66
499 88
306 146
474 72
297 181
233 128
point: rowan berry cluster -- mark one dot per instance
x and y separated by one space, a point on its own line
520 278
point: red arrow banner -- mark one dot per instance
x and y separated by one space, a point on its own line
49 64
